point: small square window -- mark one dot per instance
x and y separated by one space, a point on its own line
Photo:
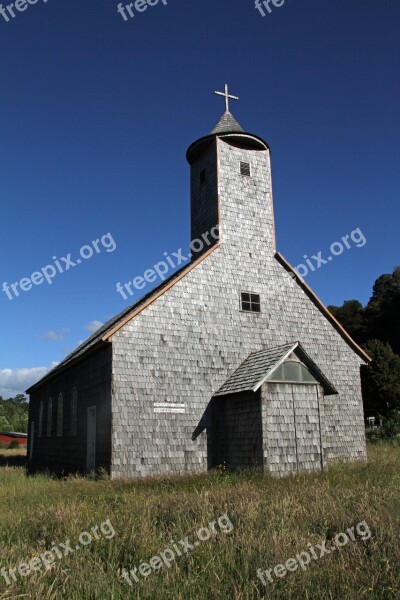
245 169
203 176
250 302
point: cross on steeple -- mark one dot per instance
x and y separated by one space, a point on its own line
227 96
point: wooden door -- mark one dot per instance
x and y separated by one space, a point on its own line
293 428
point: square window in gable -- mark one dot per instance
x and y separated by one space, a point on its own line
250 302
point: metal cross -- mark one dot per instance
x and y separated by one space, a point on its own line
226 96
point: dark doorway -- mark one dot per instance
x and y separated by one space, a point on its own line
234 433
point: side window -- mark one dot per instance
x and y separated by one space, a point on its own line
49 416
74 412
40 425
60 415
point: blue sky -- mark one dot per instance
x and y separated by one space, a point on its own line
97 114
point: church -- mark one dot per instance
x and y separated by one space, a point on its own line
232 360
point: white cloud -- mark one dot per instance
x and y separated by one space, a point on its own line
16 381
55 335
93 326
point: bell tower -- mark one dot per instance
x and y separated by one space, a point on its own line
231 186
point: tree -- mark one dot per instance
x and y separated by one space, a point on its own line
15 413
380 380
19 399
21 421
351 315
4 424
383 310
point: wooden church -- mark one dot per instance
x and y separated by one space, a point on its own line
233 359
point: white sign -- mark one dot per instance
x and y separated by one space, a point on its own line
169 407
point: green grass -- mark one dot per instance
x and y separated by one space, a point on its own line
274 519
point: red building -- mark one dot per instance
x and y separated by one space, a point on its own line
6 437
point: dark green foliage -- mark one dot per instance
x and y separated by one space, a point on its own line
352 316
383 310
389 430
391 426
377 328
380 319
4 424
14 414
380 380
12 445
373 435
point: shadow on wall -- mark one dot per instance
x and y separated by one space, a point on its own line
234 431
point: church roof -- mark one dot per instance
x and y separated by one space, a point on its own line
227 124
257 367
105 331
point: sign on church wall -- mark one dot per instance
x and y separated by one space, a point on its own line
169 407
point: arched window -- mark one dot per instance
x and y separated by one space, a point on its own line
60 415
40 425
49 416
74 412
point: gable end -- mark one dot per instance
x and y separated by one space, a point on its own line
321 306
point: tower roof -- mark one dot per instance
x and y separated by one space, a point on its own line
227 127
227 124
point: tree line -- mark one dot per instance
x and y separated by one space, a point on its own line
376 328
14 414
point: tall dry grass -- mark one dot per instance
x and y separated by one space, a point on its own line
274 519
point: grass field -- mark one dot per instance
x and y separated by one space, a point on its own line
273 520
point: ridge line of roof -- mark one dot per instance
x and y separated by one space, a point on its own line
158 292
123 317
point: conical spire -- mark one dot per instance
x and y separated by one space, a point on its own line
227 124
